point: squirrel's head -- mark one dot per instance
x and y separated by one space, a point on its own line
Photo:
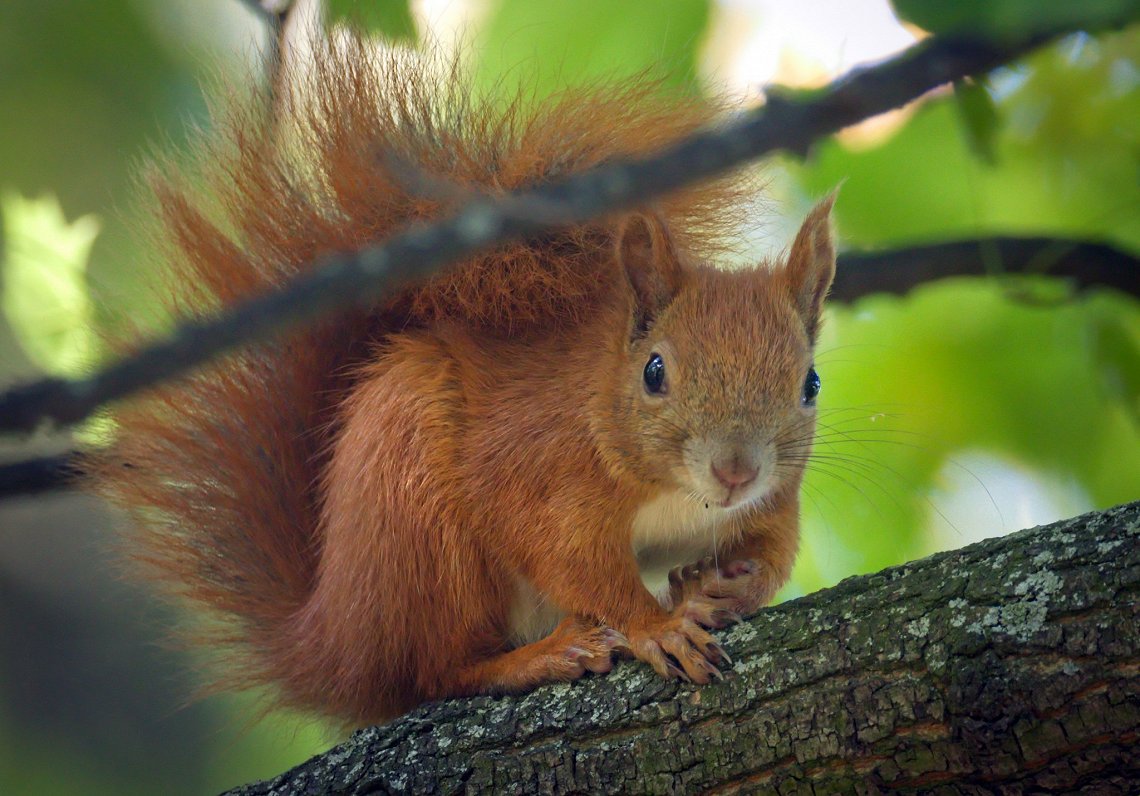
719 385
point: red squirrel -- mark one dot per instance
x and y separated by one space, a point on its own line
570 447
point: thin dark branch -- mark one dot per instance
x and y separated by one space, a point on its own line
1083 265
275 60
788 122
275 22
33 476
1080 263
260 9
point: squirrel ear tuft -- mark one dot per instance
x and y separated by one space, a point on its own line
649 259
811 264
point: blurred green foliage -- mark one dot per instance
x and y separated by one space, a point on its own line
45 300
390 19
87 88
1012 18
545 46
1017 369
1067 158
960 366
979 117
1022 371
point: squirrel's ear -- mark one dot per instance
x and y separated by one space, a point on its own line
811 264
647 256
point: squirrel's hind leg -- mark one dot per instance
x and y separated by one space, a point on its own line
575 647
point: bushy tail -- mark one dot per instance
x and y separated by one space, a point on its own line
221 468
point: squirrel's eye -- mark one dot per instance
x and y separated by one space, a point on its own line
654 374
811 387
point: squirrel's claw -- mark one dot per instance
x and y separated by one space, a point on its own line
617 642
677 648
676 673
721 656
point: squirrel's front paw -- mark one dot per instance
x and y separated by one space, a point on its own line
677 647
715 597
576 647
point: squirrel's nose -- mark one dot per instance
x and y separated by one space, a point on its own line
734 473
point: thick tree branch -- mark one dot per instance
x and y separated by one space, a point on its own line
788 122
1012 665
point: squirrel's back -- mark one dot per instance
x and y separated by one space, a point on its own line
222 469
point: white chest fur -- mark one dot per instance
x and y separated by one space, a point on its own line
668 531
675 529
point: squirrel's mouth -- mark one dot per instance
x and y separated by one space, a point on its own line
734 499
730 474
730 499
743 496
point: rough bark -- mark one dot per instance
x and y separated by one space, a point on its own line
1009 666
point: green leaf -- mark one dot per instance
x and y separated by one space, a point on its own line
979 116
392 19
45 297
1005 19
1116 351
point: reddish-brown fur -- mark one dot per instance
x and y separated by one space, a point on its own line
357 502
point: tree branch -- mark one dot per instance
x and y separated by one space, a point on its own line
32 476
859 274
1011 665
276 18
1081 263
789 122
